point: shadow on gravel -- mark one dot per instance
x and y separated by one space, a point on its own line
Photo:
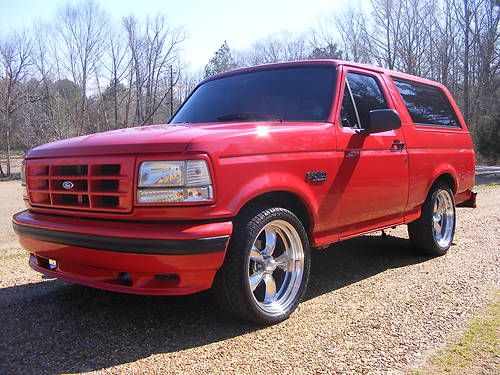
350 261
52 327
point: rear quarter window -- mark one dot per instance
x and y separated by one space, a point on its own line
427 105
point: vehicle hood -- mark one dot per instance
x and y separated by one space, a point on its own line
145 139
171 139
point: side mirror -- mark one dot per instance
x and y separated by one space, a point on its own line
382 120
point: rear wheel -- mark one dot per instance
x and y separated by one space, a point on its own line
267 266
433 233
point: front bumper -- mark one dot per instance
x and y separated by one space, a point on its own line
130 257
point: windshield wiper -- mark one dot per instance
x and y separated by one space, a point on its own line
248 116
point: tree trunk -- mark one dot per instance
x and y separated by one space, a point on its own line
83 109
8 144
115 99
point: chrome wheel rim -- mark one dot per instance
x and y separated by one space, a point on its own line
443 218
276 267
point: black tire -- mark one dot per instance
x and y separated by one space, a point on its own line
421 231
232 286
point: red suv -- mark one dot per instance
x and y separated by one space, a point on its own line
257 167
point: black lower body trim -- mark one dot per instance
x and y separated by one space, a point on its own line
125 245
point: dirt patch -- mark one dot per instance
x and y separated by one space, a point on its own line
11 201
373 306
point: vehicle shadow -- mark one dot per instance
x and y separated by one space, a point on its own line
348 262
52 327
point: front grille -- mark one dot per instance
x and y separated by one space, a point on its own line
93 184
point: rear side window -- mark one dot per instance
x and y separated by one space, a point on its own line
427 105
367 96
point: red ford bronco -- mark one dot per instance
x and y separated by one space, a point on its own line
257 167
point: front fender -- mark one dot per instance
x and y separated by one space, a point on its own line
278 182
241 179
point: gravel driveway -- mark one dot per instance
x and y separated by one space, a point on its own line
372 307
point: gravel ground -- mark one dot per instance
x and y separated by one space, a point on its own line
372 307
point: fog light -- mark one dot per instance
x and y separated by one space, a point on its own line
52 264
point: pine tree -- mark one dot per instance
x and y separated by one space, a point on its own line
221 62
330 51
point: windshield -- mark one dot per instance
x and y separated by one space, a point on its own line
302 93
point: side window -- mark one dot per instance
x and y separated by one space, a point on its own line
427 105
367 96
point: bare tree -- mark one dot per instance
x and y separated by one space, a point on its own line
386 31
484 112
15 92
162 53
413 48
188 80
82 30
117 64
445 46
463 17
154 49
280 47
352 27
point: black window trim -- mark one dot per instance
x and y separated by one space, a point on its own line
423 124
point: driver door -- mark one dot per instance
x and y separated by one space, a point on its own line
372 180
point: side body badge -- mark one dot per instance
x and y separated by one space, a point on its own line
316 176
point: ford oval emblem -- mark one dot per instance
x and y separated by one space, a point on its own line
68 185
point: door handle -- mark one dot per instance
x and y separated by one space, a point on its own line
398 146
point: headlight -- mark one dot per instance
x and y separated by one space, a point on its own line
174 182
162 173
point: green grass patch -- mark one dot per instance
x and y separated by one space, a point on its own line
475 351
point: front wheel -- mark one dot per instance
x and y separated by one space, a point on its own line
267 266
433 233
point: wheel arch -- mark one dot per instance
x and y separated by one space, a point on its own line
446 177
284 199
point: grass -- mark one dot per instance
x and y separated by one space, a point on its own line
476 351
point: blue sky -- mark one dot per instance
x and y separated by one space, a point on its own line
208 23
